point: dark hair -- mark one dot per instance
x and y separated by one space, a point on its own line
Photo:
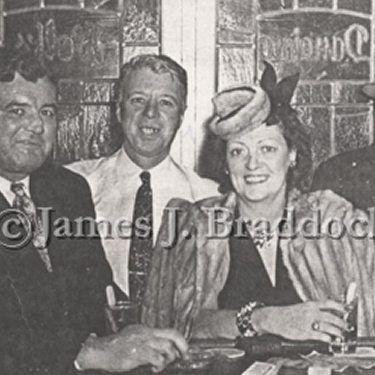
24 63
212 163
158 64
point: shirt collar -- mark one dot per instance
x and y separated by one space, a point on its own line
132 168
5 187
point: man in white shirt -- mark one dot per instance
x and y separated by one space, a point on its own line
151 107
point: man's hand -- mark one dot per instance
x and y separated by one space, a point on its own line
132 347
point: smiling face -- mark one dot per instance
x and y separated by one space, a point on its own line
258 163
27 125
150 112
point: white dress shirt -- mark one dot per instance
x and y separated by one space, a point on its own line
114 182
8 194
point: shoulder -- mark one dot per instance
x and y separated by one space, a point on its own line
204 187
211 202
201 187
57 175
353 158
92 167
321 197
345 174
328 204
200 211
62 185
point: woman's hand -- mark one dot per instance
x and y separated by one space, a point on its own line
304 321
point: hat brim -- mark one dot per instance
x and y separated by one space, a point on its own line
369 90
242 119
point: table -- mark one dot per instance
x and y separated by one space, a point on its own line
236 367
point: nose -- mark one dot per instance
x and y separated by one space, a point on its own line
151 108
36 124
252 161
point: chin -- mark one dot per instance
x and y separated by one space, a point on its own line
30 164
256 197
256 193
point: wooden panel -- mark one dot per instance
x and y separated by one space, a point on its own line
236 66
315 119
352 128
141 21
84 132
236 23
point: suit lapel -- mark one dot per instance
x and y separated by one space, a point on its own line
4 204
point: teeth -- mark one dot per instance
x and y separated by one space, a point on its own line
149 131
255 179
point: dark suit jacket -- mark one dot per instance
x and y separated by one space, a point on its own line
351 175
45 317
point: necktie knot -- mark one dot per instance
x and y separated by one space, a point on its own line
18 188
145 177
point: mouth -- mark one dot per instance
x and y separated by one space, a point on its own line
30 143
256 179
148 130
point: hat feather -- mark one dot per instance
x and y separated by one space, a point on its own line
280 94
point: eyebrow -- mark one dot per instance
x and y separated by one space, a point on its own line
259 141
15 103
172 97
268 139
53 105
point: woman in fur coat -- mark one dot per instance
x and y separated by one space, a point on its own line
265 257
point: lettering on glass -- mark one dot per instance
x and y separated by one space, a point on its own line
335 48
78 46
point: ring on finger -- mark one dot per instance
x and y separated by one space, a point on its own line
315 326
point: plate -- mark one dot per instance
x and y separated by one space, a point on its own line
199 359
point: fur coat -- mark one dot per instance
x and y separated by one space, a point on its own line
188 275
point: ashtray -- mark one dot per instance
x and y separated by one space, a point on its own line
199 359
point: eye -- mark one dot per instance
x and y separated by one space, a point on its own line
48 112
17 111
138 100
236 151
268 149
167 103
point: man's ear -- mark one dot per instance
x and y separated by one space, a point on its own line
118 111
182 114
293 157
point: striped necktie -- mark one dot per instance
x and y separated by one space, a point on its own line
25 204
140 252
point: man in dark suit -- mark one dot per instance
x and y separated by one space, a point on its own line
52 283
350 174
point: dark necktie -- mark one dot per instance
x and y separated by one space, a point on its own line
25 204
140 252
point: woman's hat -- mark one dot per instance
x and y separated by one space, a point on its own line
239 109
242 109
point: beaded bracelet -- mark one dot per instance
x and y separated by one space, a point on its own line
244 321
